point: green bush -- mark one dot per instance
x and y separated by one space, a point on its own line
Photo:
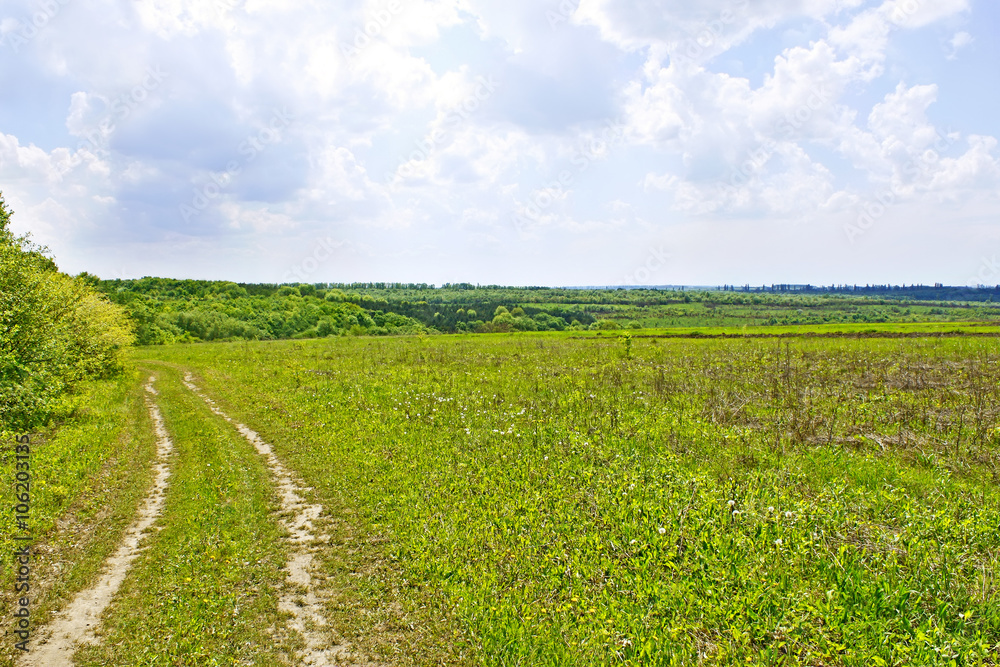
54 331
605 325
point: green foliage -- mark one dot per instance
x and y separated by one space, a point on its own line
290 311
54 332
169 311
626 342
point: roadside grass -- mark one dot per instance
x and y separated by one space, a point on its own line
89 475
545 500
204 592
382 617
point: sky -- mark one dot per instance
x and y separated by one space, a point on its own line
524 142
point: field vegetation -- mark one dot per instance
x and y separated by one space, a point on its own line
619 500
166 311
783 476
90 469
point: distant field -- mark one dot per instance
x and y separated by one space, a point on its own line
586 498
887 329
169 311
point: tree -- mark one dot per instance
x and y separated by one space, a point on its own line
5 214
54 331
503 321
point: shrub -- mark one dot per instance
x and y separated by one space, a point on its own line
54 331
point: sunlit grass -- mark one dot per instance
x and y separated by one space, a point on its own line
566 501
205 590
89 474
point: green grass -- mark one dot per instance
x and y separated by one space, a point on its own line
551 500
807 330
205 590
89 475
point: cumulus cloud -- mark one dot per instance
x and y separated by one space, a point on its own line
410 128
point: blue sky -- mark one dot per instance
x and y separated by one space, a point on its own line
523 142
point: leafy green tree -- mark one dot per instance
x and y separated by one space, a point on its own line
54 331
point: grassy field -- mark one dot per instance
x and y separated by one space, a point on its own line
823 495
204 591
88 476
556 499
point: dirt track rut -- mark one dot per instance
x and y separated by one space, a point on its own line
304 599
55 643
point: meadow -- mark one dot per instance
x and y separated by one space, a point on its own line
583 499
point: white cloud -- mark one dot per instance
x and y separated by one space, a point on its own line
960 40
791 134
920 13
976 170
696 31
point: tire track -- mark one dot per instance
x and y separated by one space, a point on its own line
305 599
78 623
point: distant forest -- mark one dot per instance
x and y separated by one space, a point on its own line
167 310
